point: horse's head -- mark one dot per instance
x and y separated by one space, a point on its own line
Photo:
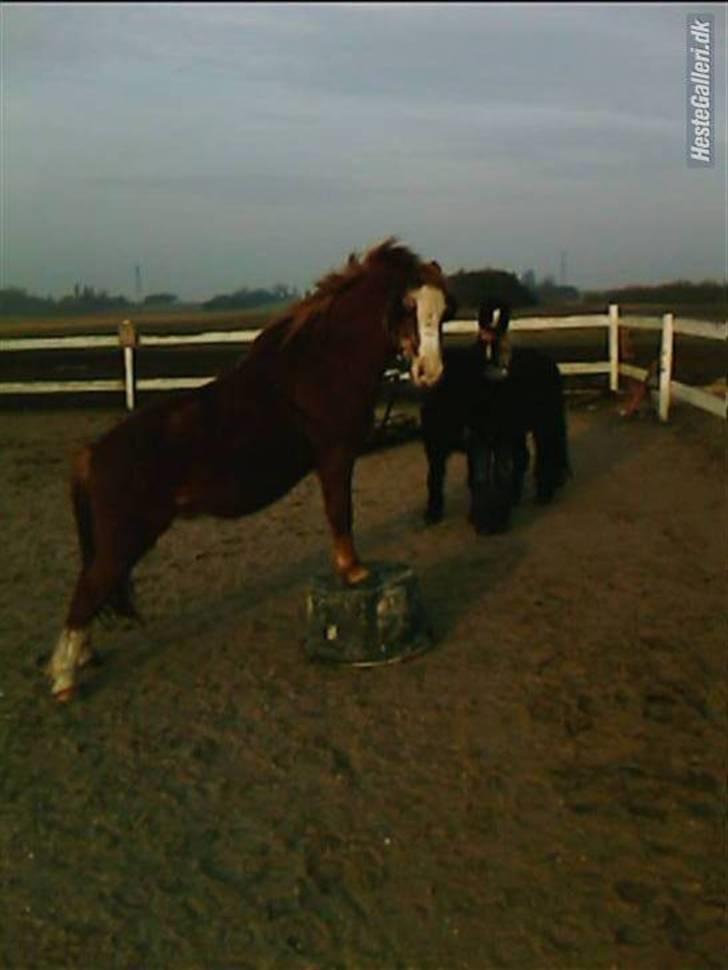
427 305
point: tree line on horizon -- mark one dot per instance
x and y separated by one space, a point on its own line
86 299
468 286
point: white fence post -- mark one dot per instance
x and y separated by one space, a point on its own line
128 341
613 347
668 322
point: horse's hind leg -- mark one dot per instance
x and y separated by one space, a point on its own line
121 602
72 651
94 586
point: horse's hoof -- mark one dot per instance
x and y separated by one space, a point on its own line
432 517
491 527
64 695
355 575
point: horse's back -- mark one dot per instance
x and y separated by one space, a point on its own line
227 448
541 404
528 364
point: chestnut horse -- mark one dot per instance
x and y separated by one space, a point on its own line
301 400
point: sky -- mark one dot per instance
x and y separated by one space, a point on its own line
226 145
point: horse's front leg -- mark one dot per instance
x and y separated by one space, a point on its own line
335 474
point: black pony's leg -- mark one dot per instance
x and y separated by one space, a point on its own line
490 463
548 468
436 467
520 465
502 488
549 431
562 445
437 421
480 462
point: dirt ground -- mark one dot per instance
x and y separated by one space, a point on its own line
544 789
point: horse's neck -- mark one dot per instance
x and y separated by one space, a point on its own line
355 329
333 376
369 334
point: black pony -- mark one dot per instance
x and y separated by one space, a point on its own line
489 398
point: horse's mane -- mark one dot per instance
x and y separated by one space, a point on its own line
314 306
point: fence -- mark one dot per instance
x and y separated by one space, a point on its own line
130 342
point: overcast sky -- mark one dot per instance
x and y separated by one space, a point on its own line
246 144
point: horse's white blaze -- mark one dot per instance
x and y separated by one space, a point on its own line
72 650
430 305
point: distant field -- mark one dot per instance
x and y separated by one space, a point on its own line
193 319
150 321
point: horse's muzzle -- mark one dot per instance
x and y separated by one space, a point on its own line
426 371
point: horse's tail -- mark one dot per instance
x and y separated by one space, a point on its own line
81 500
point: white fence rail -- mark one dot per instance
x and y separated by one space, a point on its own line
129 342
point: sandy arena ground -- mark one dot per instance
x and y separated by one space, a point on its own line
544 789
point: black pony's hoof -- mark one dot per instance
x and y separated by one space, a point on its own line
432 516
492 529
491 525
